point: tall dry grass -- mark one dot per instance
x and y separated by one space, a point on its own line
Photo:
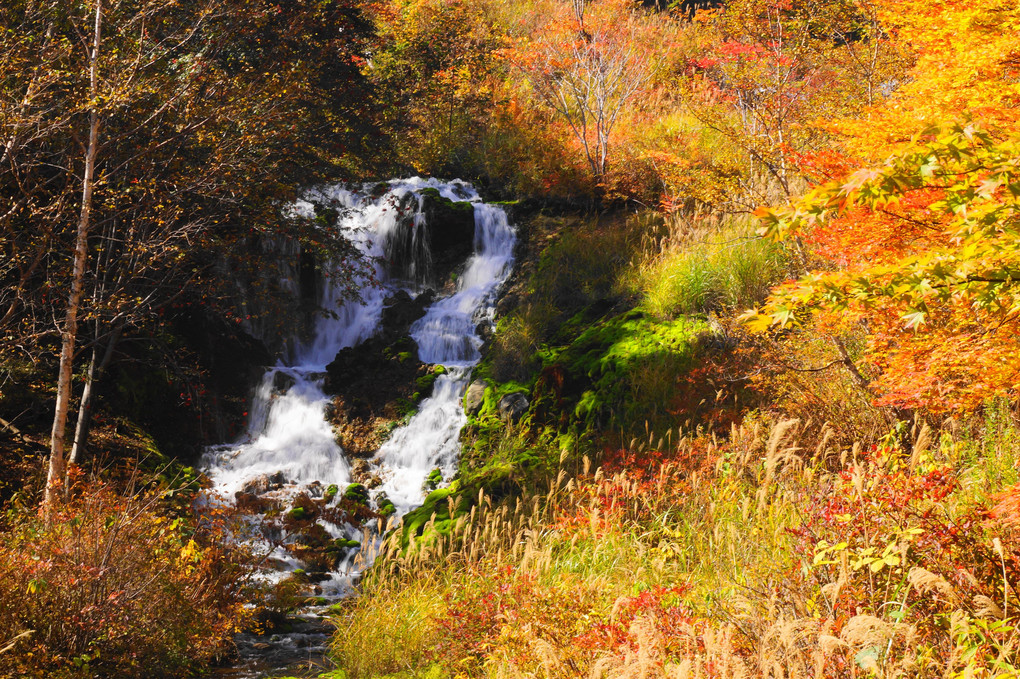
719 557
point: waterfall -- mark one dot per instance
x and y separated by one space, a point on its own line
289 439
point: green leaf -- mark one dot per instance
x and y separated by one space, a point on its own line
914 318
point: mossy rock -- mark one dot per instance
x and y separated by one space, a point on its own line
331 493
425 383
433 480
405 408
356 493
437 504
384 505
343 544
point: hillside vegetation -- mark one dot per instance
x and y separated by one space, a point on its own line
714 477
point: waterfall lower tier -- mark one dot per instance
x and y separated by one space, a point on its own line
428 442
286 420
289 470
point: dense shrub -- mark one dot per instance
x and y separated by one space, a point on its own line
112 586
728 268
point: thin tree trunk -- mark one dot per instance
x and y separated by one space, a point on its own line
892 415
70 333
84 405
94 374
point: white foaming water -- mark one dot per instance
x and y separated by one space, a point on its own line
287 431
447 334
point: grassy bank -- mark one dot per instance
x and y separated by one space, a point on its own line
772 553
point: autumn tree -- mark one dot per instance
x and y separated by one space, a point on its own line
587 72
924 238
934 270
769 74
436 76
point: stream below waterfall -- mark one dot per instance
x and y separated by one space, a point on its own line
290 448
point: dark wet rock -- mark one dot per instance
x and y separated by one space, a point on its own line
282 382
312 545
360 470
250 502
474 397
375 386
451 228
507 304
314 536
263 483
232 362
400 310
317 576
302 513
513 406
428 253
486 332
255 486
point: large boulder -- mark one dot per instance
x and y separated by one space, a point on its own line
474 396
428 253
263 483
451 233
375 385
400 310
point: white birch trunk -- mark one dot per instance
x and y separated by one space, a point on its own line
69 335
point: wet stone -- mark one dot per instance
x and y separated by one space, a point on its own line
282 382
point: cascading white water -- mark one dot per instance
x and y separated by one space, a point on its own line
288 436
447 335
